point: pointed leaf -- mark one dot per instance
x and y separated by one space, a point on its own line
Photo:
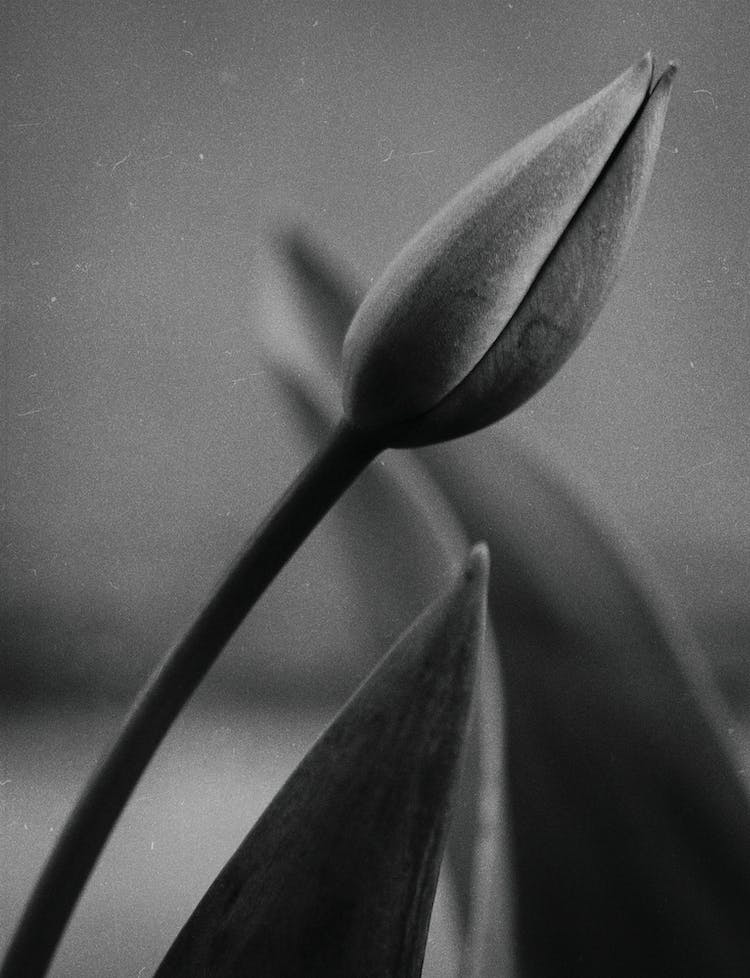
338 875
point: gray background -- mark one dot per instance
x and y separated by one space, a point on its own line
148 147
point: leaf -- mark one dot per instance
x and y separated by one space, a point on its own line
338 875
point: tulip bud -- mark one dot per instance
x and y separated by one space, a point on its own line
487 302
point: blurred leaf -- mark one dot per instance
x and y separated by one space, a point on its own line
297 282
338 875
630 825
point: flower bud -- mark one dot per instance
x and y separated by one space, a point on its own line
487 302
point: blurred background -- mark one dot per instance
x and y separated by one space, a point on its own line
149 148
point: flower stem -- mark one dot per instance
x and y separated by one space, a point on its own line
296 514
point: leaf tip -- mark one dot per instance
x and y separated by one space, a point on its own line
640 75
477 566
469 606
646 65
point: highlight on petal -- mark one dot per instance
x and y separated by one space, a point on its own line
338 876
441 306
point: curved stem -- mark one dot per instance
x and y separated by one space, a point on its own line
296 514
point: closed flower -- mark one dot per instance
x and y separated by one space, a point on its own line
486 303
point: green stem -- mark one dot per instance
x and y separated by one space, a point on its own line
296 514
